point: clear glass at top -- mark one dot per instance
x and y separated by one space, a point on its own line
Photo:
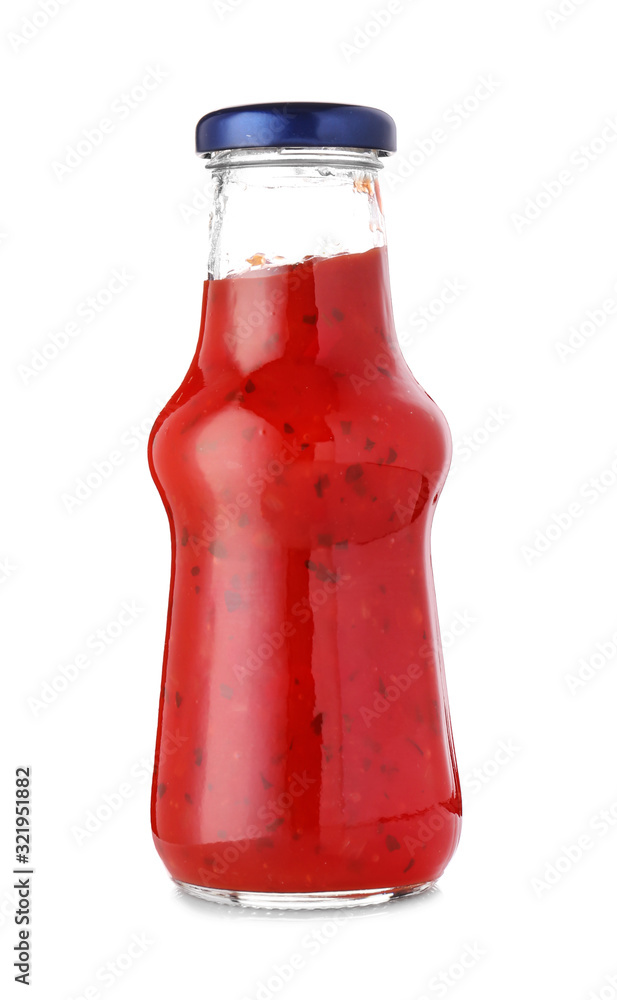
304 749
290 204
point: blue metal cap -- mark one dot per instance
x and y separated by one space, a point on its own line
292 124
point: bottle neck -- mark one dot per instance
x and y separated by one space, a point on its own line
273 207
298 261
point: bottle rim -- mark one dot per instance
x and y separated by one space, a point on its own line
325 157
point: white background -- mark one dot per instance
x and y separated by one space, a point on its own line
459 214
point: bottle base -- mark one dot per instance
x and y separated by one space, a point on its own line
302 900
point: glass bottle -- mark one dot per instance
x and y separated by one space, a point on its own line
304 752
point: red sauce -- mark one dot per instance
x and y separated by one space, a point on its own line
304 741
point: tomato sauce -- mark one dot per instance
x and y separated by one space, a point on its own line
304 740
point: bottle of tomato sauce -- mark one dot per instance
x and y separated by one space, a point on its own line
304 754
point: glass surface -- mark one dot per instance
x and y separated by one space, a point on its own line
303 900
304 742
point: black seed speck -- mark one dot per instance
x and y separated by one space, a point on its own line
388 769
198 755
382 687
288 428
392 843
312 319
321 485
304 446
411 863
354 472
392 456
264 781
277 822
338 315
369 444
188 798
197 589
250 386
310 565
195 571
341 545
185 537
178 699
161 789
317 723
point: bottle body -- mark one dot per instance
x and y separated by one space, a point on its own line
304 741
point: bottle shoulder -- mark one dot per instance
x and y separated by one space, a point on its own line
372 411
